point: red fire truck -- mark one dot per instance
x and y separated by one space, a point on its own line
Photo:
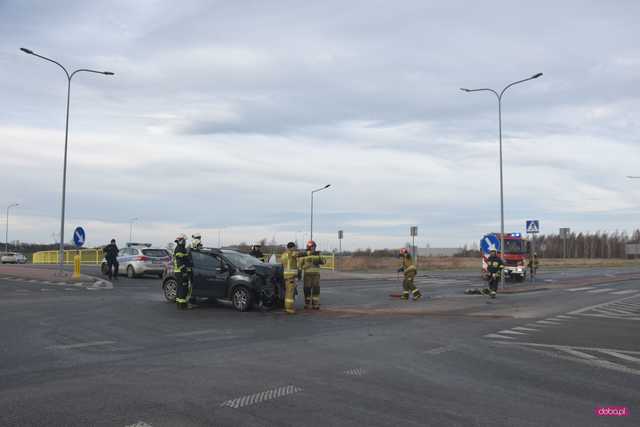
515 254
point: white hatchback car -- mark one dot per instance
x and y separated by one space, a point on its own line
13 258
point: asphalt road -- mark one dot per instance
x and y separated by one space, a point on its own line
123 356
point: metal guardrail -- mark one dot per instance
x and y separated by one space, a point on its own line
87 256
329 261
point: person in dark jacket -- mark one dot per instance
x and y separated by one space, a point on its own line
494 268
256 252
111 255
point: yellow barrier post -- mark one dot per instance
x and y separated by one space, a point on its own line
76 267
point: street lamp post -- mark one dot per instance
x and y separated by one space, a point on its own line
312 193
499 97
66 139
131 221
6 232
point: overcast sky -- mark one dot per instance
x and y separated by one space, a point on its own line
225 115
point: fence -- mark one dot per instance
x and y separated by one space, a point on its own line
87 256
329 261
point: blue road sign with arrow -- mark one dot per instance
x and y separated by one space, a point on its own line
533 226
489 243
79 237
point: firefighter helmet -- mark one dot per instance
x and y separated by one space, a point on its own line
181 238
311 244
404 251
291 245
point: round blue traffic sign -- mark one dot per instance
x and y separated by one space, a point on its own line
489 243
79 237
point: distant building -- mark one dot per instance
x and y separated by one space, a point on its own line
429 251
632 249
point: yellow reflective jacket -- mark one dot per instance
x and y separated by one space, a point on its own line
407 264
311 262
289 260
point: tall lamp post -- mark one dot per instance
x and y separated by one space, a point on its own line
312 193
6 232
131 221
66 139
499 97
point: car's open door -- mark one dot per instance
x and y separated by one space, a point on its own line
210 275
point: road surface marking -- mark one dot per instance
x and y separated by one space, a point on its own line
439 350
546 322
620 355
79 345
498 336
555 319
626 299
357 372
627 291
579 289
264 396
522 328
565 317
597 291
600 363
556 346
577 353
139 424
509 332
200 332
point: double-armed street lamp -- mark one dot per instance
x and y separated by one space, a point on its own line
499 97
66 139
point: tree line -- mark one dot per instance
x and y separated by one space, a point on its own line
585 245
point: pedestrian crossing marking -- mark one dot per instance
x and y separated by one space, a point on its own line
579 289
625 292
597 291
498 336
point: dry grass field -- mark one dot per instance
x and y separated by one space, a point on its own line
364 263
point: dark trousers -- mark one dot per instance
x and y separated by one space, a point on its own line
183 287
493 282
112 268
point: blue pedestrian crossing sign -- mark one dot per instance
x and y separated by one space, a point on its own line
79 237
489 243
533 226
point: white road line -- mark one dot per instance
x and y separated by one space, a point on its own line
565 317
555 319
597 291
498 336
201 332
547 322
627 291
439 350
579 289
578 353
582 310
605 316
261 397
522 328
555 346
509 332
139 424
620 355
357 372
79 345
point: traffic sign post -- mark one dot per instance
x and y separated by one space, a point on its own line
414 232
340 236
564 233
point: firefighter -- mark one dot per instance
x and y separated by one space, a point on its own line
196 242
289 261
311 267
410 271
533 266
256 252
494 268
111 255
182 264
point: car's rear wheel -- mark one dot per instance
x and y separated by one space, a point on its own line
131 273
241 298
170 289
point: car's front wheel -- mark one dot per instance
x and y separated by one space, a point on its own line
241 298
170 289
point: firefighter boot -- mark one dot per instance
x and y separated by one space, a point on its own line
493 294
416 294
405 295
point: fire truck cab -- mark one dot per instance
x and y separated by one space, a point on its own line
515 254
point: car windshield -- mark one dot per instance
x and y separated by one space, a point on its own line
241 260
515 247
158 253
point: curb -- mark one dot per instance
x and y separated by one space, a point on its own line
97 283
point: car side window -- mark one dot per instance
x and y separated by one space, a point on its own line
122 252
205 261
